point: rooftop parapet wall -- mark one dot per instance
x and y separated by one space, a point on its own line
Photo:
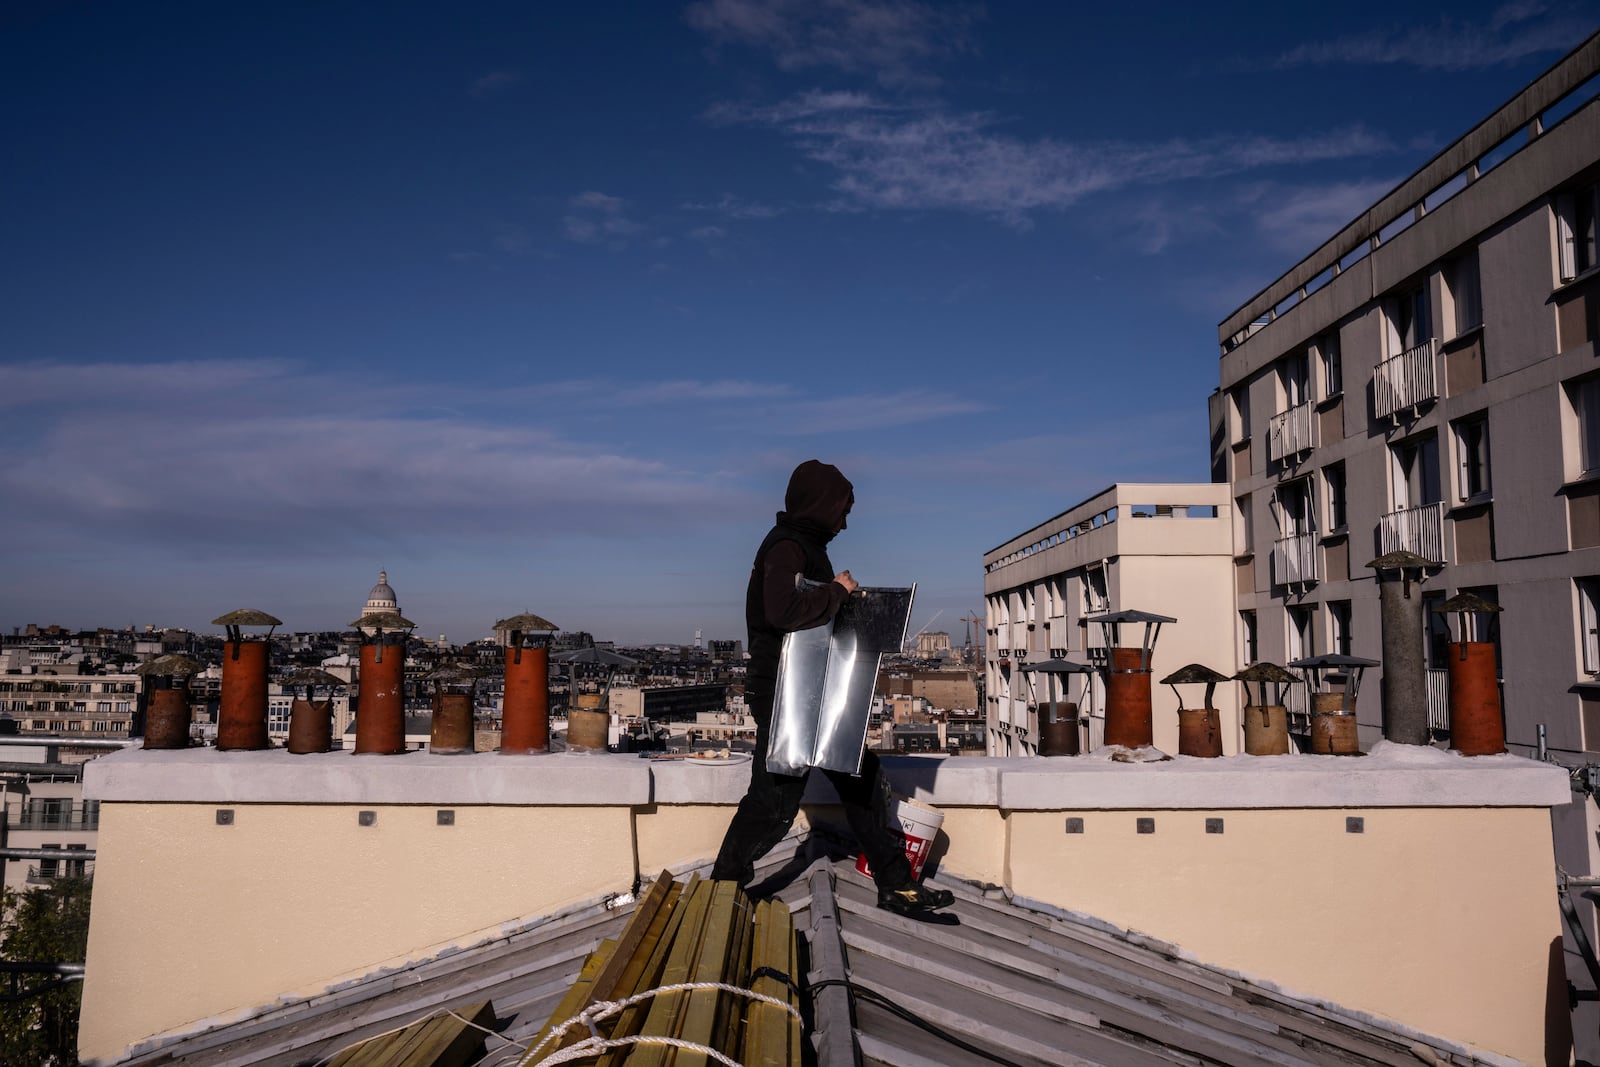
297 892
1188 519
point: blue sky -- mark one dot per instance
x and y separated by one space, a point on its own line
537 305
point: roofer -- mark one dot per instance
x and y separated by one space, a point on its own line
815 508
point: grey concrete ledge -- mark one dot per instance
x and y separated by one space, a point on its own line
1391 776
274 776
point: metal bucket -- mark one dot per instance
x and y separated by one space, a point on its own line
1058 738
587 731
1333 729
310 726
1199 732
1266 730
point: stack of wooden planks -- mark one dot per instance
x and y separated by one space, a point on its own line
696 931
441 1040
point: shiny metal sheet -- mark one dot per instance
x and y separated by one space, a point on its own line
826 677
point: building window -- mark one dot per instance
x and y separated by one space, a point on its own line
1584 395
1333 478
1406 320
1243 536
1094 590
102 706
1416 472
1248 649
1239 411
1293 508
1301 641
1461 279
1589 623
1472 456
1327 347
1294 376
1575 231
1339 641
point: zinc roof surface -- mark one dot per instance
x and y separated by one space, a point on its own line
1016 983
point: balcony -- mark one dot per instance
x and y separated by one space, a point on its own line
1294 560
1419 529
47 872
1291 432
57 820
1407 381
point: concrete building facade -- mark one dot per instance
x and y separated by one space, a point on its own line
1427 380
1164 549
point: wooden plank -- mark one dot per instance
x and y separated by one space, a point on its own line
576 996
633 1017
666 1010
605 983
710 965
453 1043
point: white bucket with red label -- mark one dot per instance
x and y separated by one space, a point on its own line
919 826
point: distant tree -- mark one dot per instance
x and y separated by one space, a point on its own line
45 925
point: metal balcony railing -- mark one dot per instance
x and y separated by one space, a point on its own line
1406 381
1291 432
1294 560
1439 701
1419 529
44 874
57 820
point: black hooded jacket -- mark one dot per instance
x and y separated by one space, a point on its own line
815 506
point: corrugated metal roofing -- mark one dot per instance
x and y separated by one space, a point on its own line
1023 985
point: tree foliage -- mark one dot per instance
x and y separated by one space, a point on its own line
49 924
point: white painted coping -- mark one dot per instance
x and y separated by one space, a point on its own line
1390 776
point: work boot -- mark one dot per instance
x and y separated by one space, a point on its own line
915 901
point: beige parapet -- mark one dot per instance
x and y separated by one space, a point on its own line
1436 909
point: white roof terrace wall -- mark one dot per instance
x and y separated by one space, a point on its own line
1156 561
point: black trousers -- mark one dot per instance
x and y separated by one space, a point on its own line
773 800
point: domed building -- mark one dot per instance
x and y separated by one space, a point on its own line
381 600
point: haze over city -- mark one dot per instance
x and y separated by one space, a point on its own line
536 307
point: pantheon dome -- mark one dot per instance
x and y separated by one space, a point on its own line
382 599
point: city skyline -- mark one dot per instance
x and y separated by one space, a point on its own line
538 312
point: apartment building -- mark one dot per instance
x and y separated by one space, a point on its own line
1427 380
1162 549
71 704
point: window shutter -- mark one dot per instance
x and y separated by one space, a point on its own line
1590 621
1566 245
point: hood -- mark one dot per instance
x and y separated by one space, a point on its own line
818 498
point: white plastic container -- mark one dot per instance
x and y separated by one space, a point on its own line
919 826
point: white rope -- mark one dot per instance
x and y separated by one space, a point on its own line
604 1009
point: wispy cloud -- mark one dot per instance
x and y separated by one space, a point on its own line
887 156
1514 32
734 207
680 392
895 41
1299 219
599 219
267 453
493 83
869 411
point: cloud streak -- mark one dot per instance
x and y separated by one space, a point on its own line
1513 33
895 41
886 156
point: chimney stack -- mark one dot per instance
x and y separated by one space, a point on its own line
242 718
166 723
525 716
1130 719
1477 725
380 711
1405 682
